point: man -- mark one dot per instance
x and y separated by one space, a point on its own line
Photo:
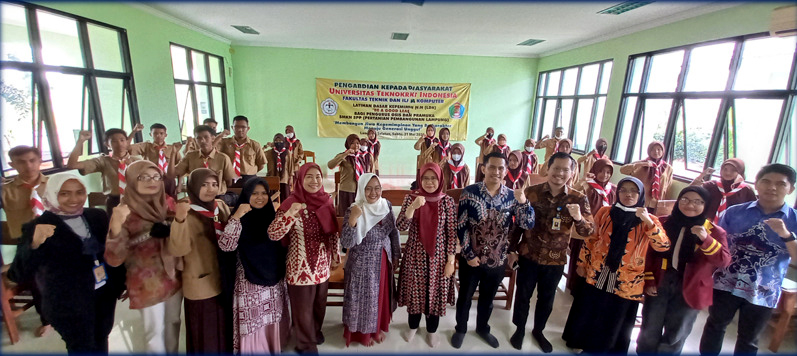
112 167
190 143
164 155
208 157
486 211
22 202
543 249
761 238
247 155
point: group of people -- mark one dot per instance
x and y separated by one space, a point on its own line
252 274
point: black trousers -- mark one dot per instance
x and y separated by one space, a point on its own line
544 278
666 318
432 321
487 279
752 321
89 333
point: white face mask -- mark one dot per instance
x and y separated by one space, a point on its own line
456 157
289 135
363 148
529 149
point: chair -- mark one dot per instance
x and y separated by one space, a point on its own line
307 156
274 189
783 313
96 199
664 207
337 184
14 299
336 278
395 196
454 193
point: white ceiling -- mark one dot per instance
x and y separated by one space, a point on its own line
469 28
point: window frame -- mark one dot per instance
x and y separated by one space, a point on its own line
44 114
192 84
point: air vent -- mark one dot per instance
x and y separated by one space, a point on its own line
530 42
246 29
398 36
624 7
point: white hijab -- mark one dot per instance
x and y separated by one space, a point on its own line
54 184
372 213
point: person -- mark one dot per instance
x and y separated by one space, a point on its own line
370 235
374 147
306 222
515 174
654 172
365 157
530 157
137 239
423 144
440 149
597 153
196 228
162 154
111 167
351 168
246 155
486 144
192 145
501 146
62 249
296 154
486 212
678 282
730 190
456 173
425 276
22 202
613 258
761 238
261 321
209 157
551 144
277 158
542 249
565 146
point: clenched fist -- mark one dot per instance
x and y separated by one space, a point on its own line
41 234
575 211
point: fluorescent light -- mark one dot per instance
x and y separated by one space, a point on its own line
530 42
246 29
623 7
399 36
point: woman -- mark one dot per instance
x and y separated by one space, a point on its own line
63 249
730 190
502 146
374 147
260 304
307 224
370 235
486 144
439 151
613 259
295 155
423 144
530 157
351 168
194 234
654 172
678 282
515 175
456 173
139 228
277 164
425 283
589 159
365 157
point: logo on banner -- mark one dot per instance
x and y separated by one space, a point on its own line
456 111
329 107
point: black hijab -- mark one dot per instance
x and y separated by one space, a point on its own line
678 221
623 220
263 260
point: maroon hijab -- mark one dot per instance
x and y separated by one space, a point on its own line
428 215
319 202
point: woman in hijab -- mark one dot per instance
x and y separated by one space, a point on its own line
197 227
260 305
515 175
295 155
613 258
599 152
502 146
137 239
439 151
351 168
679 281
374 147
654 172
307 225
365 157
63 249
730 190
425 282
370 235
424 143
456 173
530 157
278 161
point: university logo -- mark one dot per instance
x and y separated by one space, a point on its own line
329 107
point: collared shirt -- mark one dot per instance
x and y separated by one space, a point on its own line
16 203
109 169
151 152
759 257
542 244
253 159
484 222
217 162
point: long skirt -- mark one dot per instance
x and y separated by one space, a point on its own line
384 313
206 326
600 322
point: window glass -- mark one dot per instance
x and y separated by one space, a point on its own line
15 45
215 69
655 115
553 83
709 67
105 49
589 79
569 81
179 62
765 63
60 41
664 70
581 128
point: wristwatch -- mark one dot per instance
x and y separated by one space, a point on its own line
791 238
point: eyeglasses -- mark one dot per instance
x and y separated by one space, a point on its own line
628 191
687 201
146 178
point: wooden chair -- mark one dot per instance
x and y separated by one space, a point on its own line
307 156
15 299
337 186
336 278
395 196
96 199
784 313
274 189
454 193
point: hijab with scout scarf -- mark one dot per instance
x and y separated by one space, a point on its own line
600 148
529 156
373 146
603 189
513 176
505 148
208 210
456 166
290 140
263 260
729 187
354 159
428 140
565 145
679 229
443 147
372 214
654 173
280 153
428 215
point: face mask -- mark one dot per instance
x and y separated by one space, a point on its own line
529 149
289 135
456 157
279 145
489 135
363 148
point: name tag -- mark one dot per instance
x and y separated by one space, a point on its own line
556 224
100 277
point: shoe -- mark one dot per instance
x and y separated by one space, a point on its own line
542 342
517 339
457 339
489 339
410 334
43 330
319 339
433 340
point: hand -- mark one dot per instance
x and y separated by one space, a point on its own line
350 151
642 213
511 258
593 152
120 213
181 211
137 128
41 234
355 213
225 133
269 144
778 227
590 175
474 262
545 137
124 295
418 202
700 232
177 145
575 211
241 211
651 291
449 270
295 208
189 139
84 136
708 171
520 196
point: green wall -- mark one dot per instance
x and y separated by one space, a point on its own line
276 86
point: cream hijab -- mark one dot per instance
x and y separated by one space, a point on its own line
372 213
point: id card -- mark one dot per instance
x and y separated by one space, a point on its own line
100 277
556 224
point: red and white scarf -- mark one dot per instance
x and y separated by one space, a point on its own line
279 157
455 169
504 149
358 165
724 200
602 191
291 142
530 162
36 204
655 186
163 164
372 146
120 172
237 162
217 225
444 149
512 177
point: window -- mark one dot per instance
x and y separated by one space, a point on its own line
199 84
59 74
573 98
712 101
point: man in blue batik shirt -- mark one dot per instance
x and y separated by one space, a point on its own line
761 235
486 212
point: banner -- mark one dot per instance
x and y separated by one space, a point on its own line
394 110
